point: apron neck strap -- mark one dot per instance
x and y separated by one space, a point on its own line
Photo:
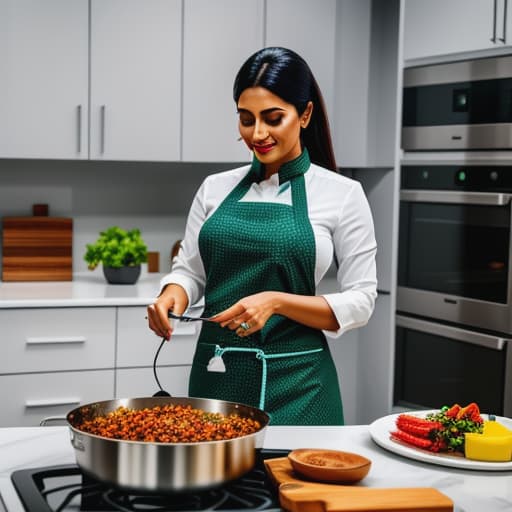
287 171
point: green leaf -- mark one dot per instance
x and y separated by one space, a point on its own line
117 248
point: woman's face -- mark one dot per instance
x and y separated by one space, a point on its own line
271 127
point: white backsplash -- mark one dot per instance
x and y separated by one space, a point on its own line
159 233
152 196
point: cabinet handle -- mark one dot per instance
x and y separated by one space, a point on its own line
32 404
79 128
50 340
102 142
493 38
504 38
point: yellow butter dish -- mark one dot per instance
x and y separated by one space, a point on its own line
493 445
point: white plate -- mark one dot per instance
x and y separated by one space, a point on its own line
380 431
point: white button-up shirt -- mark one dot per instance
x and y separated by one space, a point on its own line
342 224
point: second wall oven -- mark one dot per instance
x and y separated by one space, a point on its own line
454 294
455 245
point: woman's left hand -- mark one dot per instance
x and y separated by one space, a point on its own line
249 314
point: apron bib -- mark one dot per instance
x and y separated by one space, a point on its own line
248 247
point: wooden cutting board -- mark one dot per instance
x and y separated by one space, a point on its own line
298 495
37 249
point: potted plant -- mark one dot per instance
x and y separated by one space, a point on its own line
121 253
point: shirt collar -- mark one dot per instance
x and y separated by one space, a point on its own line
287 171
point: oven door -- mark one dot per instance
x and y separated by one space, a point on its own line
454 257
463 105
438 364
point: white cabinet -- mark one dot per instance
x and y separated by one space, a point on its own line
33 397
364 124
56 339
136 350
140 382
44 79
210 123
310 30
135 80
137 344
131 77
218 37
443 27
375 363
53 359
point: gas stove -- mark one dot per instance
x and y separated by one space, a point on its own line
66 488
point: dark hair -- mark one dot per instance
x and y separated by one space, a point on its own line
287 75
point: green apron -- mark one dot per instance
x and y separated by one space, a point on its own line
247 247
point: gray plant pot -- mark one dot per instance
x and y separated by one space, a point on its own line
123 275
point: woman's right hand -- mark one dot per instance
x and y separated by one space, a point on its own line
173 298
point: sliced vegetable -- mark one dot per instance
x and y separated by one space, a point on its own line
444 430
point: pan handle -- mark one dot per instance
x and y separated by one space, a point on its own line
49 419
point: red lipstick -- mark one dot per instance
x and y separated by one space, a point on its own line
263 149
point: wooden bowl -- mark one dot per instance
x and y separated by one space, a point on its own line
329 465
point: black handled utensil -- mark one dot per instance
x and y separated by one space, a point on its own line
185 318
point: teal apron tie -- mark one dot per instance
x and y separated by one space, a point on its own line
216 363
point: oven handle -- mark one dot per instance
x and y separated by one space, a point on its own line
454 333
448 196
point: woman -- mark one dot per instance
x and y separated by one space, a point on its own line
258 240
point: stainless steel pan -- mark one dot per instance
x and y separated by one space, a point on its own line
165 467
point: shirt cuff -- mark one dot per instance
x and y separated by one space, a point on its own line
352 309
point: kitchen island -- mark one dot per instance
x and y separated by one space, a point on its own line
471 491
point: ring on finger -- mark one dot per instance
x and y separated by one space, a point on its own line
245 326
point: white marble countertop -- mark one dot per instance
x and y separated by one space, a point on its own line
86 289
91 289
471 491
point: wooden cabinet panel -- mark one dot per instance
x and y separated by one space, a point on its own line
51 339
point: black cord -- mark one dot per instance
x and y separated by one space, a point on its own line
162 392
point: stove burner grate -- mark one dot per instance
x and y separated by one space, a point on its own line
66 488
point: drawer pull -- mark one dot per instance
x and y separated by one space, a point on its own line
32 404
50 340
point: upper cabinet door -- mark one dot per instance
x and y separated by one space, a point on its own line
442 27
310 30
43 78
135 80
218 37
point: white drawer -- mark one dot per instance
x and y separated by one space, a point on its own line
137 344
56 339
139 382
28 399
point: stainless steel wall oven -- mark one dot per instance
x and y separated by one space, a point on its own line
458 105
454 295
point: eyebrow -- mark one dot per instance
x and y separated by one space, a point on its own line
266 111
